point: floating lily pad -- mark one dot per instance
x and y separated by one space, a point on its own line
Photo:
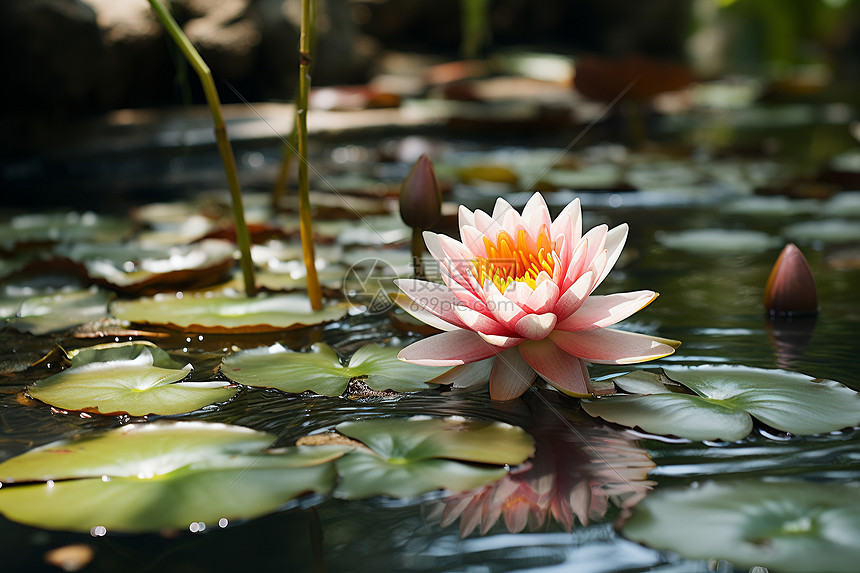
413 456
725 399
137 379
226 313
41 314
791 527
321 370
718 241
133 268
159 475
55 227
834 231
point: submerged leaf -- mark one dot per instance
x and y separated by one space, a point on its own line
321 370
161 475
226 314
137 379
792 527
726 397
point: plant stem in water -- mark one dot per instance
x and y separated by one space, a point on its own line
243 237
306 230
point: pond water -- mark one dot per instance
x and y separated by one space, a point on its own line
711 288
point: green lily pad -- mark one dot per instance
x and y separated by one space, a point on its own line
161 475
725 399
137 379
791 527
718 241
226 314
55 312
135 268
55 227
412 456
321 370
828 231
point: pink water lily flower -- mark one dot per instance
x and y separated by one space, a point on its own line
518 287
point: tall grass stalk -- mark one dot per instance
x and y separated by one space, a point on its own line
243 237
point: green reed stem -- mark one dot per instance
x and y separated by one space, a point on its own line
306 229
243 237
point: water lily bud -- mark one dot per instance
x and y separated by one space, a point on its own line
791 287
420 197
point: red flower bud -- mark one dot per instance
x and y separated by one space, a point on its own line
791 287
420 197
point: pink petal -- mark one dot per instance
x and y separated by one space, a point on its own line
500 208
464 290
615 240
455 250
479 322
570 301
598 266
577 265
596 238
500 340
565 372
609 346
536 215
559 269
474 240
425 316
568 224
511 376
504 310
543 298
600 311
519 292
465 217
431 239
487 225
536 326
467 375
448 349
432 297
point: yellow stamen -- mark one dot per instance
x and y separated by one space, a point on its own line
510 260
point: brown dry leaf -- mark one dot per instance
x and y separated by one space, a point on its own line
331 439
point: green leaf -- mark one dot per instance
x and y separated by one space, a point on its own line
673 414
321 370
226 314
60 311
136 268
365 475
137 379
791 527
161 475
726 397
416 455
453 438
788 401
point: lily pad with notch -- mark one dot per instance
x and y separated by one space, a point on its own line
724 401
133 378
321 370
786 526
160 475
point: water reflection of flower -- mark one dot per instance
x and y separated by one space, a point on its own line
576 471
